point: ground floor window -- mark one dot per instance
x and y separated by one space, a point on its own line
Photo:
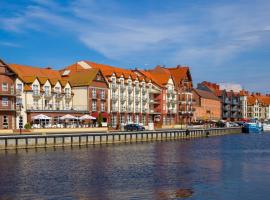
144 120
122 118
114 120
5 122
137 119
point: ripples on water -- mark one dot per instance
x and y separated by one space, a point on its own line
220 168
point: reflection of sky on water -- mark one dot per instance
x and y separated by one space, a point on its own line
228 167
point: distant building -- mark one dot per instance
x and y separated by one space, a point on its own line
207 105
7 97
230 100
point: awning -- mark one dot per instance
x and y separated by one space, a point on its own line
68 116
104 114
86 117
41 117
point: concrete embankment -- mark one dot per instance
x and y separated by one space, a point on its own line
79 139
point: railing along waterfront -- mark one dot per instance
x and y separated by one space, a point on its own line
79 139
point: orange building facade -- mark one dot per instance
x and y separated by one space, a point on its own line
207 106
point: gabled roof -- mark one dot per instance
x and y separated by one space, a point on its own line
28 73
206 94
83 77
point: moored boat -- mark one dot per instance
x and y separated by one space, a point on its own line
266 127
252 127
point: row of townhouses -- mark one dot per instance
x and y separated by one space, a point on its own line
162 96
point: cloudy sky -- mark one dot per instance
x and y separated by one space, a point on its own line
221 40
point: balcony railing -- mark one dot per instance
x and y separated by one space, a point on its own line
55 107
114 86
130 89
130 109
36 94
48 95
115 109
114 98
68 95
122 87
58 95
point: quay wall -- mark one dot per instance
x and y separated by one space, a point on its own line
80 139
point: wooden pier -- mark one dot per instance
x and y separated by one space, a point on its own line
80 139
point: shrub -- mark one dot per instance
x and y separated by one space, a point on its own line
27 126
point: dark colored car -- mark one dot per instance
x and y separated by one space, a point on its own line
134 127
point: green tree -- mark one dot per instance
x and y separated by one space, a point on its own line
100 119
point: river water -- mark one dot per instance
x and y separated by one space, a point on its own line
231 167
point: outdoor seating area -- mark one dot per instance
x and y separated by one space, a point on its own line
66 121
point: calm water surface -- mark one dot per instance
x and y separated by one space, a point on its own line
219 168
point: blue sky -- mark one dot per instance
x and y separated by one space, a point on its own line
221 40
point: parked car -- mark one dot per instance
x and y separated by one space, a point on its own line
134 127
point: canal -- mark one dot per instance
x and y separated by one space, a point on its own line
216 168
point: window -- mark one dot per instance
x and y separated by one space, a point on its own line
114 120
67 91
4 87
5 121
47 90
94 93
18 101
19 87
4 101
102 105
122 118
57 90
94 105
102 92
35 89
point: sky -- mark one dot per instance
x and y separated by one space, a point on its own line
223 41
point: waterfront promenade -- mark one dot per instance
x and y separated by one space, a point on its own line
80 139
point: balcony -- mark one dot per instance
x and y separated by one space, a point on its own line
130 100
58 95
47 95
114 109
130 109
114 98
153 101
122 87
123 98
8 93
137 90
130 89
114 86
36 94
123 109
55 108
8 108
68 96
143 91
18 92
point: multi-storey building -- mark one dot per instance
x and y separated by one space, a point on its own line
257 106
231 104
89 87
43 91
128 94
208 105
176 85
7 97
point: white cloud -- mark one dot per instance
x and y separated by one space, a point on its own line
198 36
